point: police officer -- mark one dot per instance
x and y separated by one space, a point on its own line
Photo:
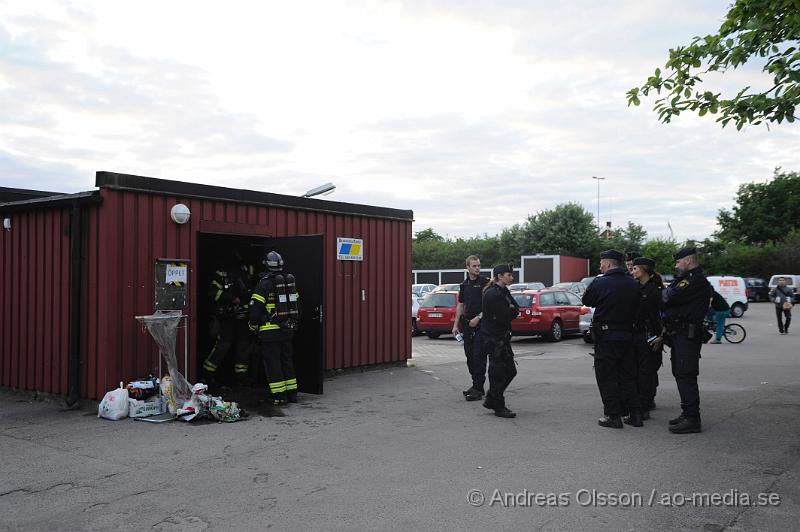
229 292
274 314
685 303
499 308
647 326
615 296
468 317
631 256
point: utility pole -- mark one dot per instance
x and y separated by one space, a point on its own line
598 201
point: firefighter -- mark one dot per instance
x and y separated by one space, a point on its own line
274 315
230 291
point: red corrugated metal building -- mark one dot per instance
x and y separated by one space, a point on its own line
65 297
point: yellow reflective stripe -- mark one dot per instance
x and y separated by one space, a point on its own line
219 295
259 298
270 306
269 327
240 369
221 273
277 387
210 366
218 285
291 384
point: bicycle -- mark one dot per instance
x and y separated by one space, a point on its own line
733 332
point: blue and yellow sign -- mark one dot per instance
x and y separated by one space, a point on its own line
349 249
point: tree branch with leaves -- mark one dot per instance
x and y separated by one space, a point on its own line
752 28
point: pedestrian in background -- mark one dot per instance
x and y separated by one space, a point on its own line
615 296
718 310
499 309
782 296
468 317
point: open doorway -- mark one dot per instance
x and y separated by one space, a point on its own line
302 257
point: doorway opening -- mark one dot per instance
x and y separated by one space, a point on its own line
302 256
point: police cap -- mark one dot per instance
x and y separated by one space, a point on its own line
612 254
684 252
632 255
644 261
502 268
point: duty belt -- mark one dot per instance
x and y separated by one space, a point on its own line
613 327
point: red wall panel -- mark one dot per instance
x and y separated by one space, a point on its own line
573 268
34 313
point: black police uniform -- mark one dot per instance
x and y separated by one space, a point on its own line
685 302
470 293
647 324
228 285
499 309
615 297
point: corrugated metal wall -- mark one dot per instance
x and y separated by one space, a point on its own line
134 229
34 308
123 237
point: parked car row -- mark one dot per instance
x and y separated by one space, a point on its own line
557 311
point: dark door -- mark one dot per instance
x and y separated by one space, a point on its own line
302 257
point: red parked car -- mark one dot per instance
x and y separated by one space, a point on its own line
437 313
551 313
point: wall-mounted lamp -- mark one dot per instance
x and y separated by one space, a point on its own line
180 213
7 223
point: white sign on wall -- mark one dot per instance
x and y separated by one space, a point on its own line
349 249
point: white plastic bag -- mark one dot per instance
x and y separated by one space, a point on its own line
114 405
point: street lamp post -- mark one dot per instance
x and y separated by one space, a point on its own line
598 201
323 190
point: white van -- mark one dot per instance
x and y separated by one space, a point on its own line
792 281
734 290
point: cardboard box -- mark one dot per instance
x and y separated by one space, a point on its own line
149 407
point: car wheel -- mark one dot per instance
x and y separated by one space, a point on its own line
556 331
587 337
737 310
433 335
414 330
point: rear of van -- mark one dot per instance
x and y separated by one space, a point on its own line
734 290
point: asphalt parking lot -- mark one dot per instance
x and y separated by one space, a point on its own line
399 449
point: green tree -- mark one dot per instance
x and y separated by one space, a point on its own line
628 238
763 211
661 251
752 29
428 235
567 229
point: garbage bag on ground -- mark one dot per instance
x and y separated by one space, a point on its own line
114 405
163 327
202 405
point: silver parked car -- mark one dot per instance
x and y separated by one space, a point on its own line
422 289
526 286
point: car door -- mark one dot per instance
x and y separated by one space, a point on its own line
569 313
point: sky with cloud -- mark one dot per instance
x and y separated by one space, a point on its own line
473 113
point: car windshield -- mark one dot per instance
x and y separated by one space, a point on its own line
774 280
437 299
524 300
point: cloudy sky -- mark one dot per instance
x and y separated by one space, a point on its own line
473 113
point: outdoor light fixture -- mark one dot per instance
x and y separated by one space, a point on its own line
180 213
7 223
324 190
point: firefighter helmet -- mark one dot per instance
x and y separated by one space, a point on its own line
273 261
